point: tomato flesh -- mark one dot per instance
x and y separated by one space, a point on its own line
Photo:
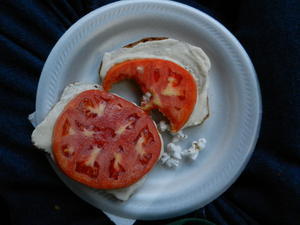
104 141
173 89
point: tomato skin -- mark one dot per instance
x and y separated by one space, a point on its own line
104 141
173 89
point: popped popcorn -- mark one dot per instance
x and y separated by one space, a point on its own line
146 97
193 151
172 162
163 126
164 157
179 136
174 150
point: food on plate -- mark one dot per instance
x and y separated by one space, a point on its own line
100 139
106 142
173 76
175 154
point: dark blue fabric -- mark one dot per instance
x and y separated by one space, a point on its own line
268 190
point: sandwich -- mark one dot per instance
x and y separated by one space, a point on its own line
105 142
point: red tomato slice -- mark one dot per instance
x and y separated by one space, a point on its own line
104 141
173 89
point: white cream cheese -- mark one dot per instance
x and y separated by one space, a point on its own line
42 134
190 57
124 194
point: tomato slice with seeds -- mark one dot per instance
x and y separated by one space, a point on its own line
173 89
104 141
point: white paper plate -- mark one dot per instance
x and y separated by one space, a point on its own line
235 105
